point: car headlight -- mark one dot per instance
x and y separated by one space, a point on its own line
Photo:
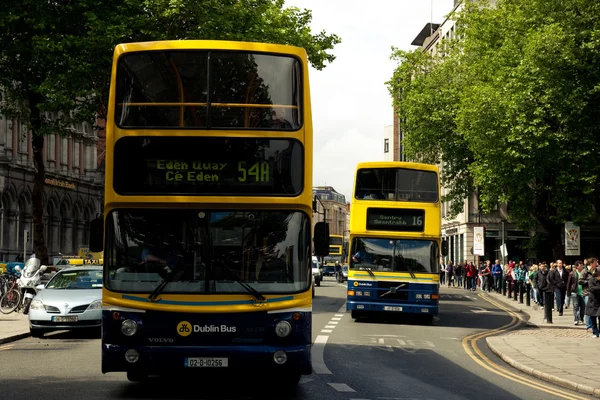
283 328
95 305
129 327
36 305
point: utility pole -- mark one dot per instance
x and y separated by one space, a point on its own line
25 241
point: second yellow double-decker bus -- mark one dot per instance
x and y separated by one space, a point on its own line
207 217
395 239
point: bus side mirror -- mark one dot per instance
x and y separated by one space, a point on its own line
97 235
444 248
321 239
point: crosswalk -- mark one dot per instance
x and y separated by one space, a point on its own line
457 297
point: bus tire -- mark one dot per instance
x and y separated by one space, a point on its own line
428 319
290 379
137 376
354 314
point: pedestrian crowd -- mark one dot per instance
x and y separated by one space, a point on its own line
554 286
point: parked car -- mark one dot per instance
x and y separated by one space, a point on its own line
317 271
71 299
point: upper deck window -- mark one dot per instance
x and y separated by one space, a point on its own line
396 184
208 90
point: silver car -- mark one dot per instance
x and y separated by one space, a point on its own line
71 299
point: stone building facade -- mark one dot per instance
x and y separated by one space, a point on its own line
73 188
334 209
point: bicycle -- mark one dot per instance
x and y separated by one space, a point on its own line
11 299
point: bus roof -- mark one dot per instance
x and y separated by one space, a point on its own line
209 45
398 164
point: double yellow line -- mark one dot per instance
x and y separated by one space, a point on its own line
472 349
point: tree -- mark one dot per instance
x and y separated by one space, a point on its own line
56 56
523 86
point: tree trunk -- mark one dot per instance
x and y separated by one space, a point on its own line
558 252
37 144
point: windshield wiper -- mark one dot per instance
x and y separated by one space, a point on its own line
249 288
369 270
407 266
162 284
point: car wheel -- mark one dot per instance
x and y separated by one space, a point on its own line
36 333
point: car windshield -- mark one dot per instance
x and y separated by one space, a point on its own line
78 279
207 251
394 255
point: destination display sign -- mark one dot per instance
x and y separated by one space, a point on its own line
400 220
208 166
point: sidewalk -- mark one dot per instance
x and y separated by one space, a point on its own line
13 326
536 314
560 353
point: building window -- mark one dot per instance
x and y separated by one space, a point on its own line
386 145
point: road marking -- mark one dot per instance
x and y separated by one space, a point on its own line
336 319
338 315
333 322
470 346
341 387
326 331
479 310
449 338
384 335
7 347
318 350
330 326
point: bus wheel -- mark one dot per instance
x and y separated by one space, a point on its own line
354 314
428 319
137 376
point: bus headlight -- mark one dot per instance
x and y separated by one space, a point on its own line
132 356
129 327
280 357
283 329
427 296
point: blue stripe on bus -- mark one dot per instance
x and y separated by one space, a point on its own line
394 276
205 303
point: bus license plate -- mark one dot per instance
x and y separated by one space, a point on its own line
71 318
205 362
390 308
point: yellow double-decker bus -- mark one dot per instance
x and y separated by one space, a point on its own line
395 239
207 217
336 245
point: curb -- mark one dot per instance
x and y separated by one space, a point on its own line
15 337
529 323
544 375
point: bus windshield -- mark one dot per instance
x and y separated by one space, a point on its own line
394 255
201 89
396 184
335 240
207 251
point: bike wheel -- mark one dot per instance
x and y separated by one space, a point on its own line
10 301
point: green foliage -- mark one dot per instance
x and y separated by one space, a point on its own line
519 108
56 56
63 51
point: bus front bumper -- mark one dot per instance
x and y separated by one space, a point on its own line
380 306
159 360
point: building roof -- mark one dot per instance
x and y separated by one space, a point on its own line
425 33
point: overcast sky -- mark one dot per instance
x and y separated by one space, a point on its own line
350 101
